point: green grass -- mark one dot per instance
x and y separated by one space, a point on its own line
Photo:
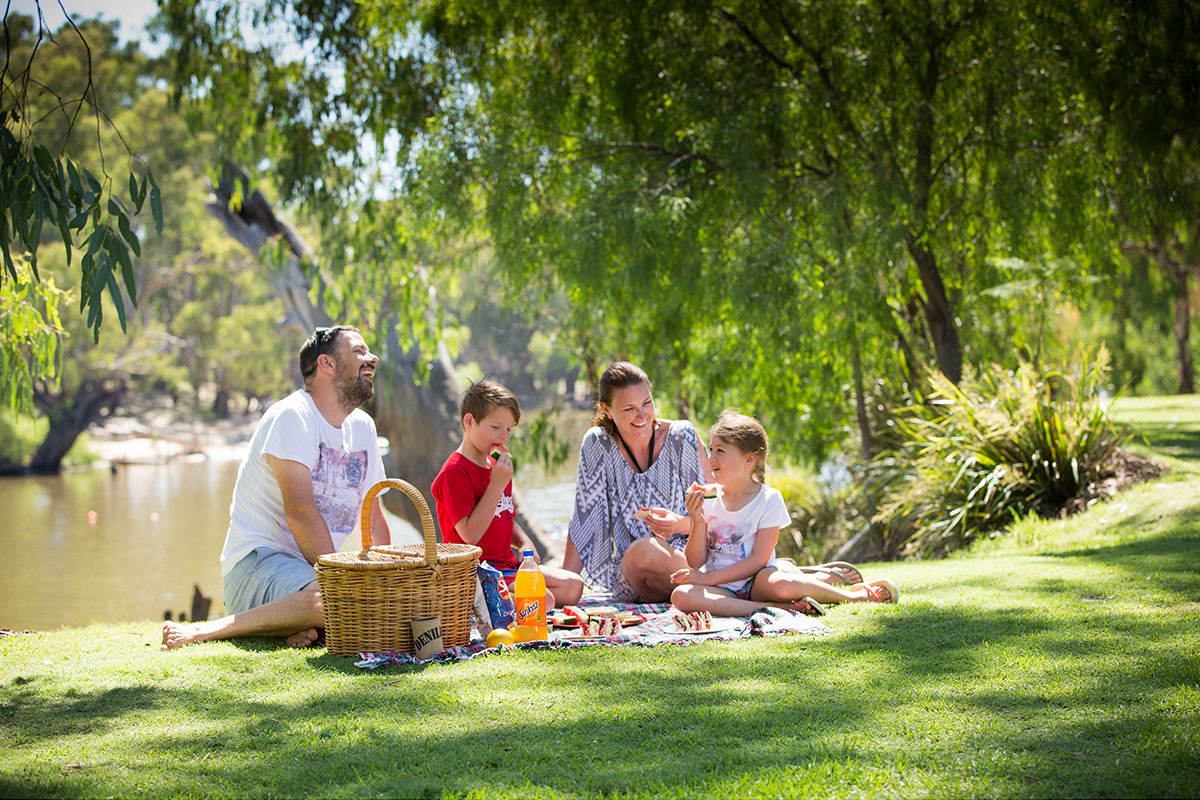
1060 660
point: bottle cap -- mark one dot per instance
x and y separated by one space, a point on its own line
526 554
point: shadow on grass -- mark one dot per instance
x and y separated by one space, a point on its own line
317 656
1169 557
602 721
1173 441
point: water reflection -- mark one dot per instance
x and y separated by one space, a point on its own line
153 536
158 531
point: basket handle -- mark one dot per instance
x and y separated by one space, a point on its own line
431 555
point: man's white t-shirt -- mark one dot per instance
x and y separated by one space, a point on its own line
345 463
731 534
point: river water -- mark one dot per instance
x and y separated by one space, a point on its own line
102 546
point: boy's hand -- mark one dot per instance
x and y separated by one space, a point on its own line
502 469
695 505
521 541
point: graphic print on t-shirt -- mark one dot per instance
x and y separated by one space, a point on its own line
505 504
338 487
723 538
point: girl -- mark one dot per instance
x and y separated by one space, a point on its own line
731 543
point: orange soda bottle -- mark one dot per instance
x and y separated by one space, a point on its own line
529 592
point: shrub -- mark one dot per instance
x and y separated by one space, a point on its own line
974 457
19 436
800 492
823 515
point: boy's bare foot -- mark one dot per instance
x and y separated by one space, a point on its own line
175 635
304 638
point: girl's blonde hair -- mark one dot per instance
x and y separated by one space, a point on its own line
746 434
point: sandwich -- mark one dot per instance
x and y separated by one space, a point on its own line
602 626
693 621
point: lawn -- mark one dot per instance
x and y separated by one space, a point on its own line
1062 659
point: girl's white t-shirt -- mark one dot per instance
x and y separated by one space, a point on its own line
732 534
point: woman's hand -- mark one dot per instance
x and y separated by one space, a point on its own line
688 575
664 522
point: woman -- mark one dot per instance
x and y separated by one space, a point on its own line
632 462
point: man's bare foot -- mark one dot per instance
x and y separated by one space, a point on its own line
175 636
305 638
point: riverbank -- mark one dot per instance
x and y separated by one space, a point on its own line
1059 660
152 431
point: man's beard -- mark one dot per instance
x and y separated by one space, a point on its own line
352 389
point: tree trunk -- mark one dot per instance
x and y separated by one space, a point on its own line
419 420
220 405
860 405
1178 275
71 416
938 313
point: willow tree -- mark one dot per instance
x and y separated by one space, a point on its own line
100 215
775 203
1137 68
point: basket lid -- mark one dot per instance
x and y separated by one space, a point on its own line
413 555
366 560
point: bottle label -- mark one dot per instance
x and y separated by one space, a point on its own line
530 612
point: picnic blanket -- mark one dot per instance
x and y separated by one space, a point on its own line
658 629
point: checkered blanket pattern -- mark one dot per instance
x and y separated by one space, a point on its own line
658 629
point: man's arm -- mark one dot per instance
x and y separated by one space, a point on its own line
300 509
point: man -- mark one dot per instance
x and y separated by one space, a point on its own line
298 495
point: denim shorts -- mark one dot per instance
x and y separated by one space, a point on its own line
263 576
744 592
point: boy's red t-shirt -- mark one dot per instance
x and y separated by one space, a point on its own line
457 489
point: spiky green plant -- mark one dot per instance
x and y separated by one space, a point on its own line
973 457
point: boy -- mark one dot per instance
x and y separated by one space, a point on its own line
474 491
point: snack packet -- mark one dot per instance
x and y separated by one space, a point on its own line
493 606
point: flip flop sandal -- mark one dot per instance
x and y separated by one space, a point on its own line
883 591
838 578
848 572
815 608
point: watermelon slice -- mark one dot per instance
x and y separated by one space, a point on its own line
495 454
709 490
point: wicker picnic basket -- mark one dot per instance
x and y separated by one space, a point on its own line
371 597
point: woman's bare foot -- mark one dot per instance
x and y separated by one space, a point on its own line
304 638
809 607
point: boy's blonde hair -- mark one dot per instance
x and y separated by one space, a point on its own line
484 396
746 434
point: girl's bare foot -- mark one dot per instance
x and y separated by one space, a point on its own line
304 638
